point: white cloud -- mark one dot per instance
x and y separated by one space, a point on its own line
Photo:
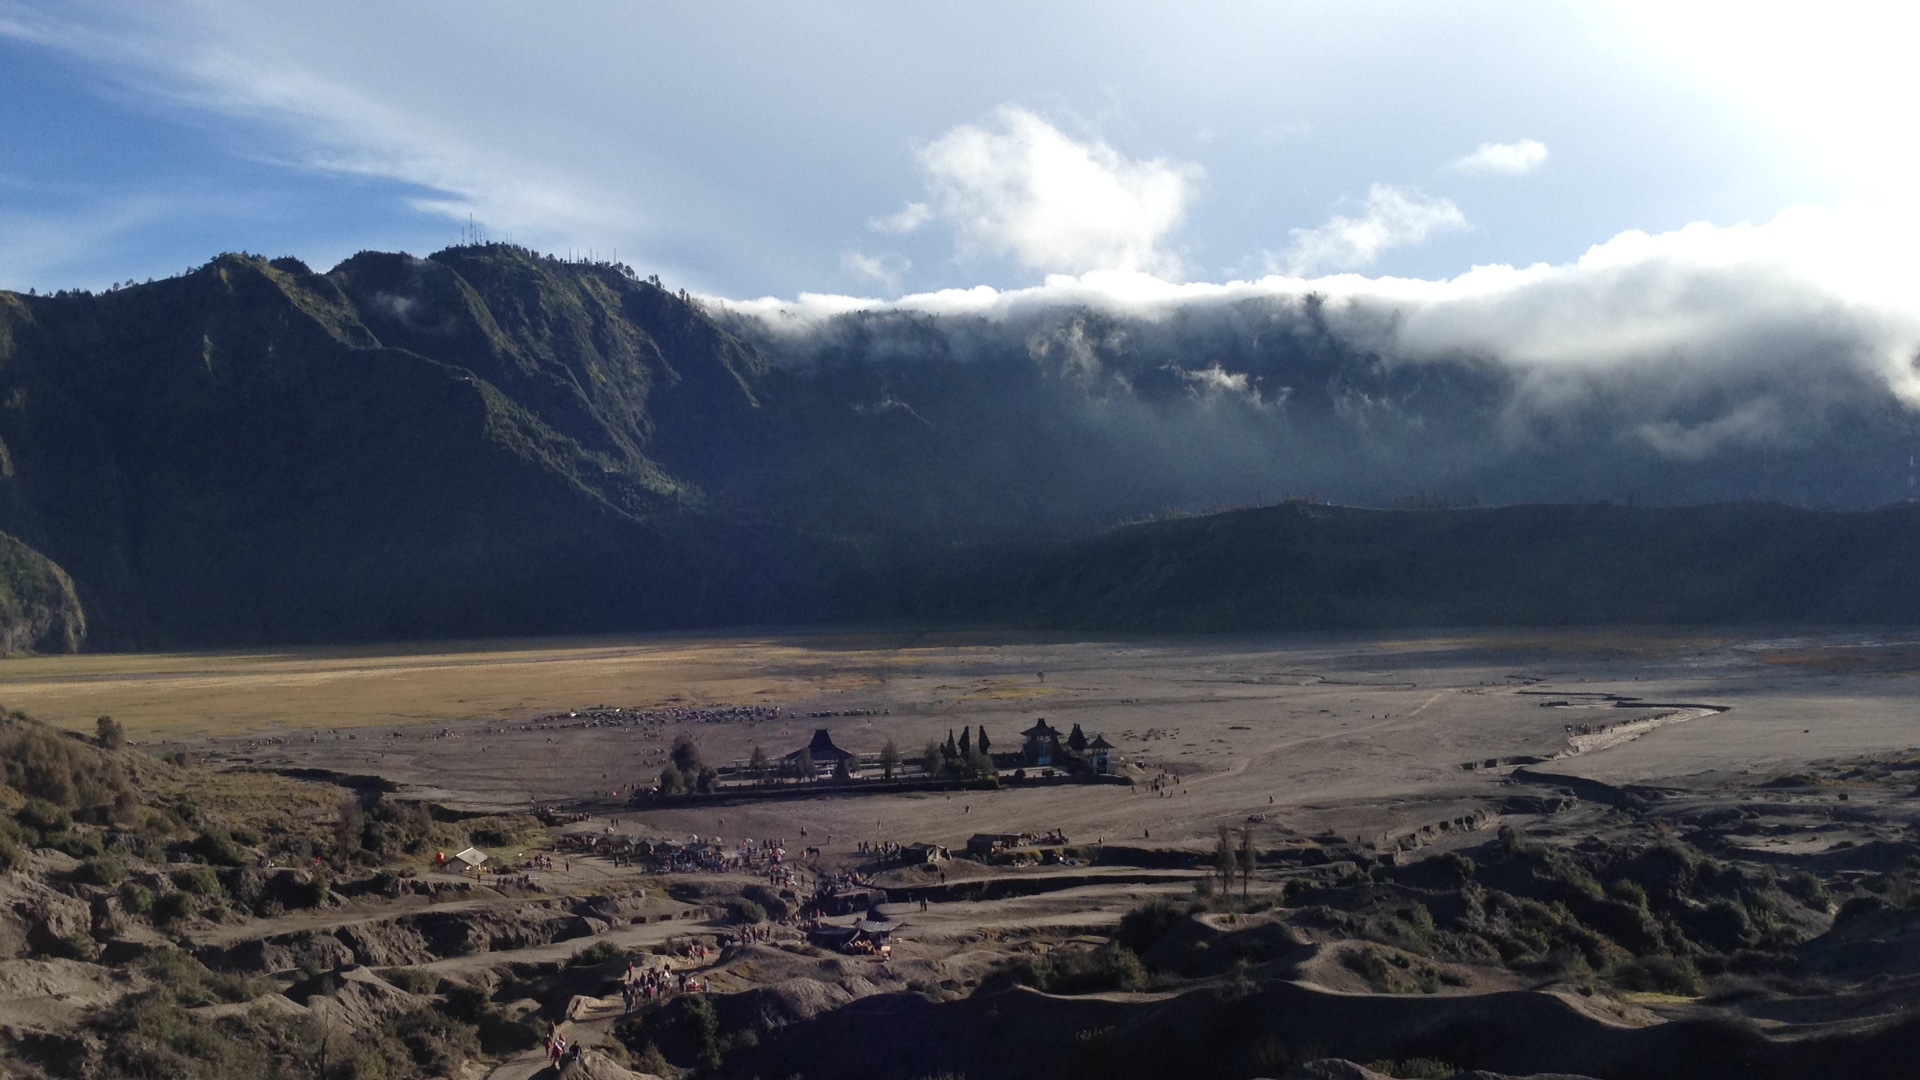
1711 336
1021 187
1511 159
1394 217
884 269
907 219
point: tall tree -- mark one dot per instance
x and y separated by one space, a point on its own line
686 756
889 759
1246 858
930 759
1223 860
757 764
806 764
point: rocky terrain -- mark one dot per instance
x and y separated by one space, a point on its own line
1546 877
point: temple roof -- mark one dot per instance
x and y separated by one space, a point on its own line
822 748
1100 742
1040 730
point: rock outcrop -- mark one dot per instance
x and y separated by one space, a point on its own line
39 609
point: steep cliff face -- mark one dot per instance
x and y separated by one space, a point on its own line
39 609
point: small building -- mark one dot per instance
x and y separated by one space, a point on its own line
824 752
1100 754
984 844
1043 743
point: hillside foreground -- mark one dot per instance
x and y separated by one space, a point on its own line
1607 853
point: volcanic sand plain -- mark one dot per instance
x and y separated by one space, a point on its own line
1351 737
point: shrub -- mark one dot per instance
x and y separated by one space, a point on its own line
703 1026
66 772
104 870
1418 1068
81 843
198 880
110 734
137 899
1809 889
312 893
12 857
438 1043
1657 974
216 846
597 953
172 908
43 816
1628 891
750 912
1085 971
413 980
1148 923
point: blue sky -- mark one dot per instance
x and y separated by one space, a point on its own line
748 150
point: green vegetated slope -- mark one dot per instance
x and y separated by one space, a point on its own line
1299 566
39 609
469 444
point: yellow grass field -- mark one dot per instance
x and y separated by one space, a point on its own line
159 695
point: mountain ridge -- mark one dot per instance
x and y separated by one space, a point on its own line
488 441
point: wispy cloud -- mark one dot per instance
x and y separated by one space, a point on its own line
885 270
323 121
1019 186
1392 217
1508 159
907 219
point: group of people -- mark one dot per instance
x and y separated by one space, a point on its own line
885 850
649 984
1164 784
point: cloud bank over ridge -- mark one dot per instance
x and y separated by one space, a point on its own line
1700 348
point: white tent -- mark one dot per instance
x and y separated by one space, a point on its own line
472 857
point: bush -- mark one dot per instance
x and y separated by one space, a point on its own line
12 856
413 980
110 734
136 899
43 816
703 1026
105 870
749 912
198 880
216 846
66 772
438 1044
1415 1069
172 908
1084 971
1148 923
1657 975
81 843
597 953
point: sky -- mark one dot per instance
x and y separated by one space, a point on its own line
883 150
